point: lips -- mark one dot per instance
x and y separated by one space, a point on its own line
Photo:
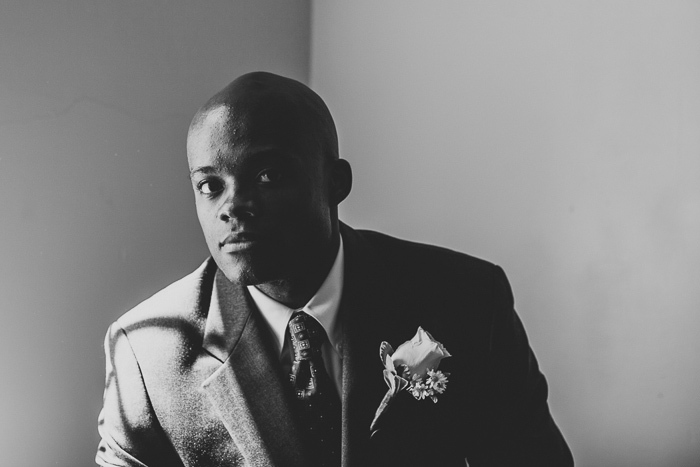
239 241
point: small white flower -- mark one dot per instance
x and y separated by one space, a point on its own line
437 380
419 390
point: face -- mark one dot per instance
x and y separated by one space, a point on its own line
261 195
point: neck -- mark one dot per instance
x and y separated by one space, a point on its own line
296 291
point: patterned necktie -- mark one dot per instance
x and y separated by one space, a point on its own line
318 405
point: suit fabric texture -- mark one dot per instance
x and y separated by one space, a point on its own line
192 378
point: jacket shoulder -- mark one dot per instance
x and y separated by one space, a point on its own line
440 285
183 299
425 259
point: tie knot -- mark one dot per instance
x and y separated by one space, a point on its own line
307 336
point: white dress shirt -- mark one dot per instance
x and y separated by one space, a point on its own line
323 306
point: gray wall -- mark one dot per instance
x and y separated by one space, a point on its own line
562 141
96 212
558 139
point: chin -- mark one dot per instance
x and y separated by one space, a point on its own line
246 272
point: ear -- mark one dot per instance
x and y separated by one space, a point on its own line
341 180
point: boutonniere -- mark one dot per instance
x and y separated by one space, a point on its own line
413 367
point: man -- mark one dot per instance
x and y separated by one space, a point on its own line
199 374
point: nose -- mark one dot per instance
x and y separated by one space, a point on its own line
238 204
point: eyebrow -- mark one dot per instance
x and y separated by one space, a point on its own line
207 169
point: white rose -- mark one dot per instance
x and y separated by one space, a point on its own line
420 354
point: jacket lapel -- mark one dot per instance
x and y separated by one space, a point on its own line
247 389
369 315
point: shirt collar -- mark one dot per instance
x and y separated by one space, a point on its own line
323 306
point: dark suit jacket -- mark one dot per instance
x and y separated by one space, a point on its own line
192 378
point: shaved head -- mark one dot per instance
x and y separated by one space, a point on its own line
267 179
272 103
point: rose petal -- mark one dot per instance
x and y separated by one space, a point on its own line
442 347
420 354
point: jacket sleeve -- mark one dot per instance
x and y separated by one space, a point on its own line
524 431
130 433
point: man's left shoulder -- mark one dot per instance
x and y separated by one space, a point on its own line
428 260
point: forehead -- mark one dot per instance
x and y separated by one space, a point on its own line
227 130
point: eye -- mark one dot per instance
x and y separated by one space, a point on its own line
270 176
209 186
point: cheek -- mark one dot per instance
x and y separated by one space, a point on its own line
206 219
310 226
